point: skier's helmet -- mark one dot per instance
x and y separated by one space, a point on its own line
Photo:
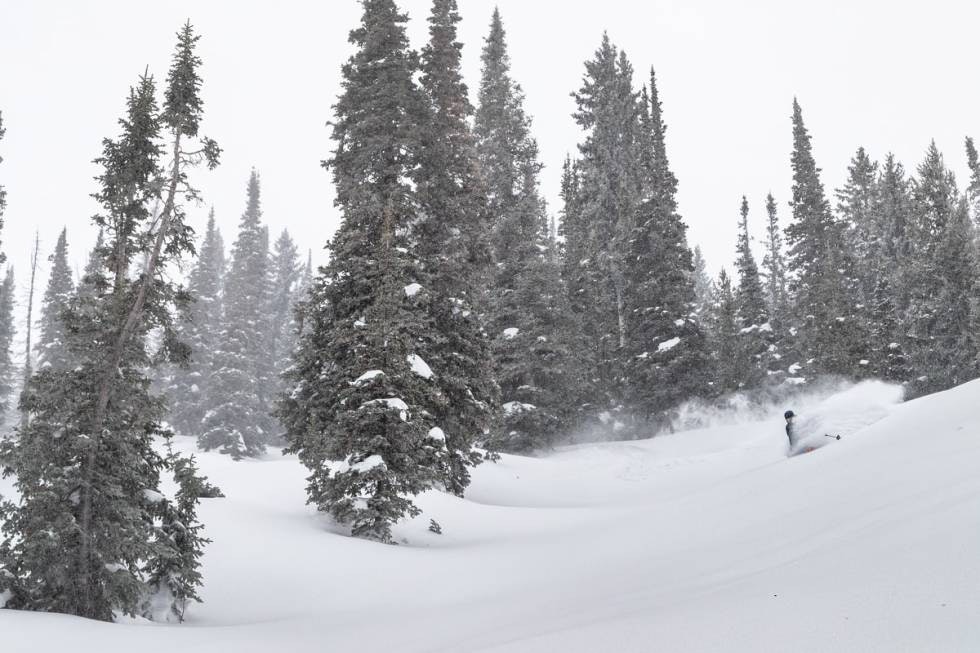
789 414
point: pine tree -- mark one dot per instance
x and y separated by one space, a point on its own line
200 325
756 344
8 370
236 421
88 528
831 337
52 344
704 287
888 358
895 221
606 197
529 314
774 270
452 243
942 281
973 189
723 329
667 359
286 280
858 206
174 576
358 412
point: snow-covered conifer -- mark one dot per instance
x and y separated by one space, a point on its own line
236 421
666 354
528 315
359 410
187 389
52 346
87 530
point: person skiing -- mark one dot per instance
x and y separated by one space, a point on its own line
790 427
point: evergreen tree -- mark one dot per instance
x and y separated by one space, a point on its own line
858 206
601 210
774 270
358 414
529 313
52 345
452 243
973 190
723 329
88 529
174 576
943 281
200 326
831 337
667 358
704 287
888 358
236 422
755 337
8 370
895 220
286 282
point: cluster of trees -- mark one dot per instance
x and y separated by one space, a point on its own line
453 315
454 318
92 534
884 285
241 328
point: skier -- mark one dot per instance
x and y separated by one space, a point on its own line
790 428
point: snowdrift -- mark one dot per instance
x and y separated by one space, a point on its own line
707 540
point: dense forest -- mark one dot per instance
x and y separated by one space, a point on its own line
457 317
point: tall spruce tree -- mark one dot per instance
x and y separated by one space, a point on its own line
704 287
723 330
600 211
529 313
666 352
858 207
236 421
90 526
452 242
200 324
895 222
831 338
8 369
774 269
284 292
359 412
942 280
756 344
52 344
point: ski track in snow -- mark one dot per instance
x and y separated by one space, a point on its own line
708 540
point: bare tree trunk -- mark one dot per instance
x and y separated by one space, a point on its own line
28 368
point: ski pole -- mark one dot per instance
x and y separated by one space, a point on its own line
836 437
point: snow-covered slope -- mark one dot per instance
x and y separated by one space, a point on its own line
707 540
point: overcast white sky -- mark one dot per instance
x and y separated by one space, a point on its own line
886 74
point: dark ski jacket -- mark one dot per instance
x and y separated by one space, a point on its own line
790 432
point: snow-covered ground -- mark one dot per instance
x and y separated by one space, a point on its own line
706 540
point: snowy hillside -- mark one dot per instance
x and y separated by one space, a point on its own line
707 540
